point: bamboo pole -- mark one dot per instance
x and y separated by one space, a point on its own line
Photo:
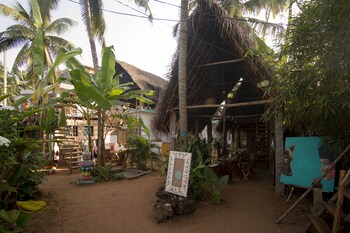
220 62
258 102
313 185
340 201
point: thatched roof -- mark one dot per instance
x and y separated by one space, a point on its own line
142 80
217 60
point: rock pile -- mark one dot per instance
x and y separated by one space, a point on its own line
169 205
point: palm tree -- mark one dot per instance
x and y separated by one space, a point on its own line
37 34
238 10
92 14
183 74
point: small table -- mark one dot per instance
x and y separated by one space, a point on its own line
229 167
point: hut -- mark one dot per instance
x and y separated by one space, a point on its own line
141 80
222 77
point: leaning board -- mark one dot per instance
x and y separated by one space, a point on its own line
306 164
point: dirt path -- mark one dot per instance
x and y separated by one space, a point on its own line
126 206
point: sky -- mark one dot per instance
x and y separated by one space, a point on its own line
137 41
146 45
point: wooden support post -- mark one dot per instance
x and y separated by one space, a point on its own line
232 142
340 201
196 127
319 213
317 199
279 152
224 139
210 135
235 138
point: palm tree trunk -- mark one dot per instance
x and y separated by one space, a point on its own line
90 34
100 136
183 74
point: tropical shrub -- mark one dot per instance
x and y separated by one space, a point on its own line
140 150
19 160
104 172
203 180
13 220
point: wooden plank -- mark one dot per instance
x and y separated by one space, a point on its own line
332 208
319 224
333 199
340 201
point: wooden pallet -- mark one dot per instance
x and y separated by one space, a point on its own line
335 208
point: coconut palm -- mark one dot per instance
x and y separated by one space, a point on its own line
33 30
238 9
92 14
182 74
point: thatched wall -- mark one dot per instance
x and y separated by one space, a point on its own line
142 80
213 37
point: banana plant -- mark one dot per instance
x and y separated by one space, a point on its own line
102 90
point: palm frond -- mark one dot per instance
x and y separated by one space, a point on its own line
19 30
45 9
261 26
8 43
271 6
21 58
98 22
60 25
56 44
144 4
21 16
233 7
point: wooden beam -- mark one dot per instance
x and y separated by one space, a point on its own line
252 103
220 62
227 117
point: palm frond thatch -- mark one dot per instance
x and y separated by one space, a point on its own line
217 59
142 79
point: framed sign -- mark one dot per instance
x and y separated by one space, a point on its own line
179 166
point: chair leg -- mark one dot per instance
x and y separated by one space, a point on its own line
246 172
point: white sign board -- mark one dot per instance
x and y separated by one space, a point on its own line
179 166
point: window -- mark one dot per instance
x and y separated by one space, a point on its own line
87 131
72 130
75 131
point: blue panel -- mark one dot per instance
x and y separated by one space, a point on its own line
305 163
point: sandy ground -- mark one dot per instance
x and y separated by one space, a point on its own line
126 206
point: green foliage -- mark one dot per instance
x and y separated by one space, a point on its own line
19 161
104 172
102 90
213 184
34 31
200 151
141 151
202 178
312 87
13 220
